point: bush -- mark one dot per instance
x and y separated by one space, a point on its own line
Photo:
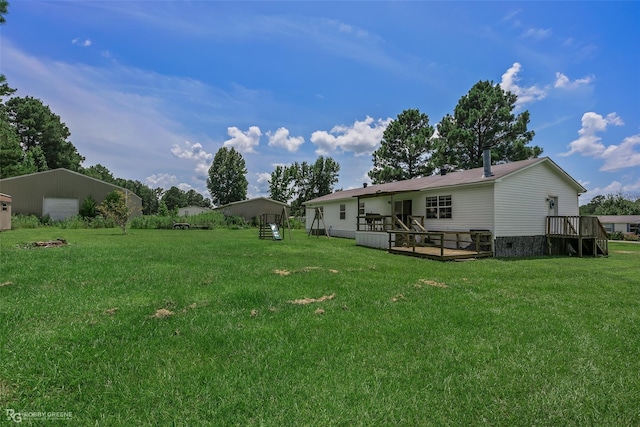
24 221
72 223
89 208
208 220
631 237
152 222
616 235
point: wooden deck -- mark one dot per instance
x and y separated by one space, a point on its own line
437 253
442 245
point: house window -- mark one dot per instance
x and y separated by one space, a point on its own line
5 206
634 228
439 207
360 208
343 211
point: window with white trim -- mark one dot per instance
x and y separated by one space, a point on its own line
360 208
343 211
439 207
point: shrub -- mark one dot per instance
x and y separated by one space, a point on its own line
72 223
24 221
631 237
89 207
616 235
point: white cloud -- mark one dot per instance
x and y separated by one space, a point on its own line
263 177
615 187
202 171
616 157
563 82
191 152
83 43
589 144
622 156
194 152
163 180
282 139
244 142
537 33
362 138
525 94
185 187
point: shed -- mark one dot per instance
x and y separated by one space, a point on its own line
252 208
5 212
58 193
192 210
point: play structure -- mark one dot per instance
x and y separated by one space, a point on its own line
318 217
273 225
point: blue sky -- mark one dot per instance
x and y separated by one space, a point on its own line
152 90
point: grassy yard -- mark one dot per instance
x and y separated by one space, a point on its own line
198 327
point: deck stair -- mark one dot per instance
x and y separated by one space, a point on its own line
576 235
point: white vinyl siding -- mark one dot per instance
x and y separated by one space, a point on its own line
471 208
521 200
331 213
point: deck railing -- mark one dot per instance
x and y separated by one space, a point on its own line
378 222
580 227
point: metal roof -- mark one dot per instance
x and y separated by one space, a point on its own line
466 177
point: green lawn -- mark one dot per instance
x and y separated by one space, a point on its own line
404 341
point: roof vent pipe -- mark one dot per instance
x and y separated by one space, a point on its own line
486 162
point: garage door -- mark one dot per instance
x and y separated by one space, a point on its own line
58 208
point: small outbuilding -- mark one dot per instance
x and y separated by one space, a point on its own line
58 193
5 212
192 210
253 208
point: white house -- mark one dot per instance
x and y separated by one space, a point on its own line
621 223
510 200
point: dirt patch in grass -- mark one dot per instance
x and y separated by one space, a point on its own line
111 311
305 301
5 391
48 244
6 284
282 272
162 313
302 270
319 311
623 252
433 283
397 298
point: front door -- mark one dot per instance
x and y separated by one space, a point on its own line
402 210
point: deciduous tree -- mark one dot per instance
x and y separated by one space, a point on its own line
404 150
281 184
616 204
227 180
175 198
483 118
117 206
